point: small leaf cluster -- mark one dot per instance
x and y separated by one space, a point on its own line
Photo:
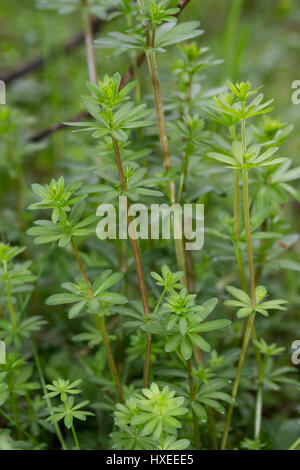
243 301
153 13
95 298
137 184
68 410
111 115
150 420
65 220
181 319
239 107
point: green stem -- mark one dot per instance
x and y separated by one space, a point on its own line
72 427
259 398
9 296
251 318
138 263
240 262
162 439
249 238
160 300
239 255
258 410
75 437
212 427
164 142
192 395
295 445
237 378
26 434
48 401
183 174
100 324
15 412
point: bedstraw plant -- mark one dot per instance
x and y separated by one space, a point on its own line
171 349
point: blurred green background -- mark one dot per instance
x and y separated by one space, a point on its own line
258 40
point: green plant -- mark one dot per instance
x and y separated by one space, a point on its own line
68 410
149 420
172 348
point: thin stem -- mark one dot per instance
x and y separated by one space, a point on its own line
295 445
237 379
9 297
138 262
88 36
259 270
259 398
212 428
26 434
258 410
164 142
81 265
72 427
162 438
238 252
192 394
48 401
183 174
240 263
236 215
249 238
251 318
75 437
15 412
100 324
159 300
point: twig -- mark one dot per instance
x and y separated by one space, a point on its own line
39 62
